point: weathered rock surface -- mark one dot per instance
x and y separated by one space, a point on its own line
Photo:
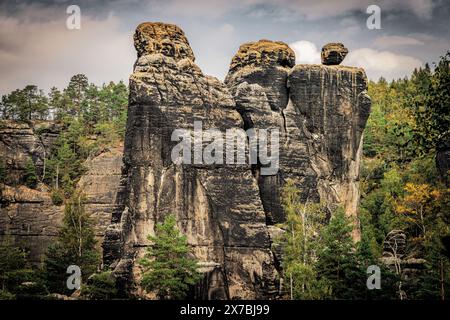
228 211
321 112
217 206
28 217
20 142
333 53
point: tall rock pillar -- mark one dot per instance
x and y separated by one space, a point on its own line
217 206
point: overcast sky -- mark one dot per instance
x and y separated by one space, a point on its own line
37 48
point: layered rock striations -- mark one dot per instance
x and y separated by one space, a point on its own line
28 217
216 206
321 111
229 211
21 142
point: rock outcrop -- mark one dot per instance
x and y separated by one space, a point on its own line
28 218
333 53
229 211
217 206
321 112
21 142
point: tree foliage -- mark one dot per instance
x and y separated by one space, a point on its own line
76 245
169 270
100 286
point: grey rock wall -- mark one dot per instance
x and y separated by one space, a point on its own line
229 212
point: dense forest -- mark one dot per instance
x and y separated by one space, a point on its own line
404 213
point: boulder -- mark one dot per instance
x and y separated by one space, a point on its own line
333 53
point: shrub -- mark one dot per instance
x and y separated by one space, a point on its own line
57 197
100 286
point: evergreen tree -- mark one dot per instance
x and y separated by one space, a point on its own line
432 108
57 104
30 174
100 286
27 104
168 268
76 92
12 260
299 243
17 278
64 166
76 245
338 262
6 108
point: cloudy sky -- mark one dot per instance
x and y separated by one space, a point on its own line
37 48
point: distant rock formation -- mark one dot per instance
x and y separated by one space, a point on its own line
28 218
321 112
229 212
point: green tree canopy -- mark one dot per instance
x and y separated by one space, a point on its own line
169 270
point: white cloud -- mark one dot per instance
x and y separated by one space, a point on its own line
396 41
382 63
305 52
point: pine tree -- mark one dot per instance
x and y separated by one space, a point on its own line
30 174
76 92
25 104
56 104
64 165
76 245
168 268
338 262
12 259
15 270
432 110
100 286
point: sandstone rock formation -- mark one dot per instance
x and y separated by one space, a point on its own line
333 53
228 211
321 112
28 217
217 206
21 142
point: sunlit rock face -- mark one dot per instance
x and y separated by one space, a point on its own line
229 212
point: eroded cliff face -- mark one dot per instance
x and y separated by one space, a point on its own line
217 206
28 218
228 211
321 111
